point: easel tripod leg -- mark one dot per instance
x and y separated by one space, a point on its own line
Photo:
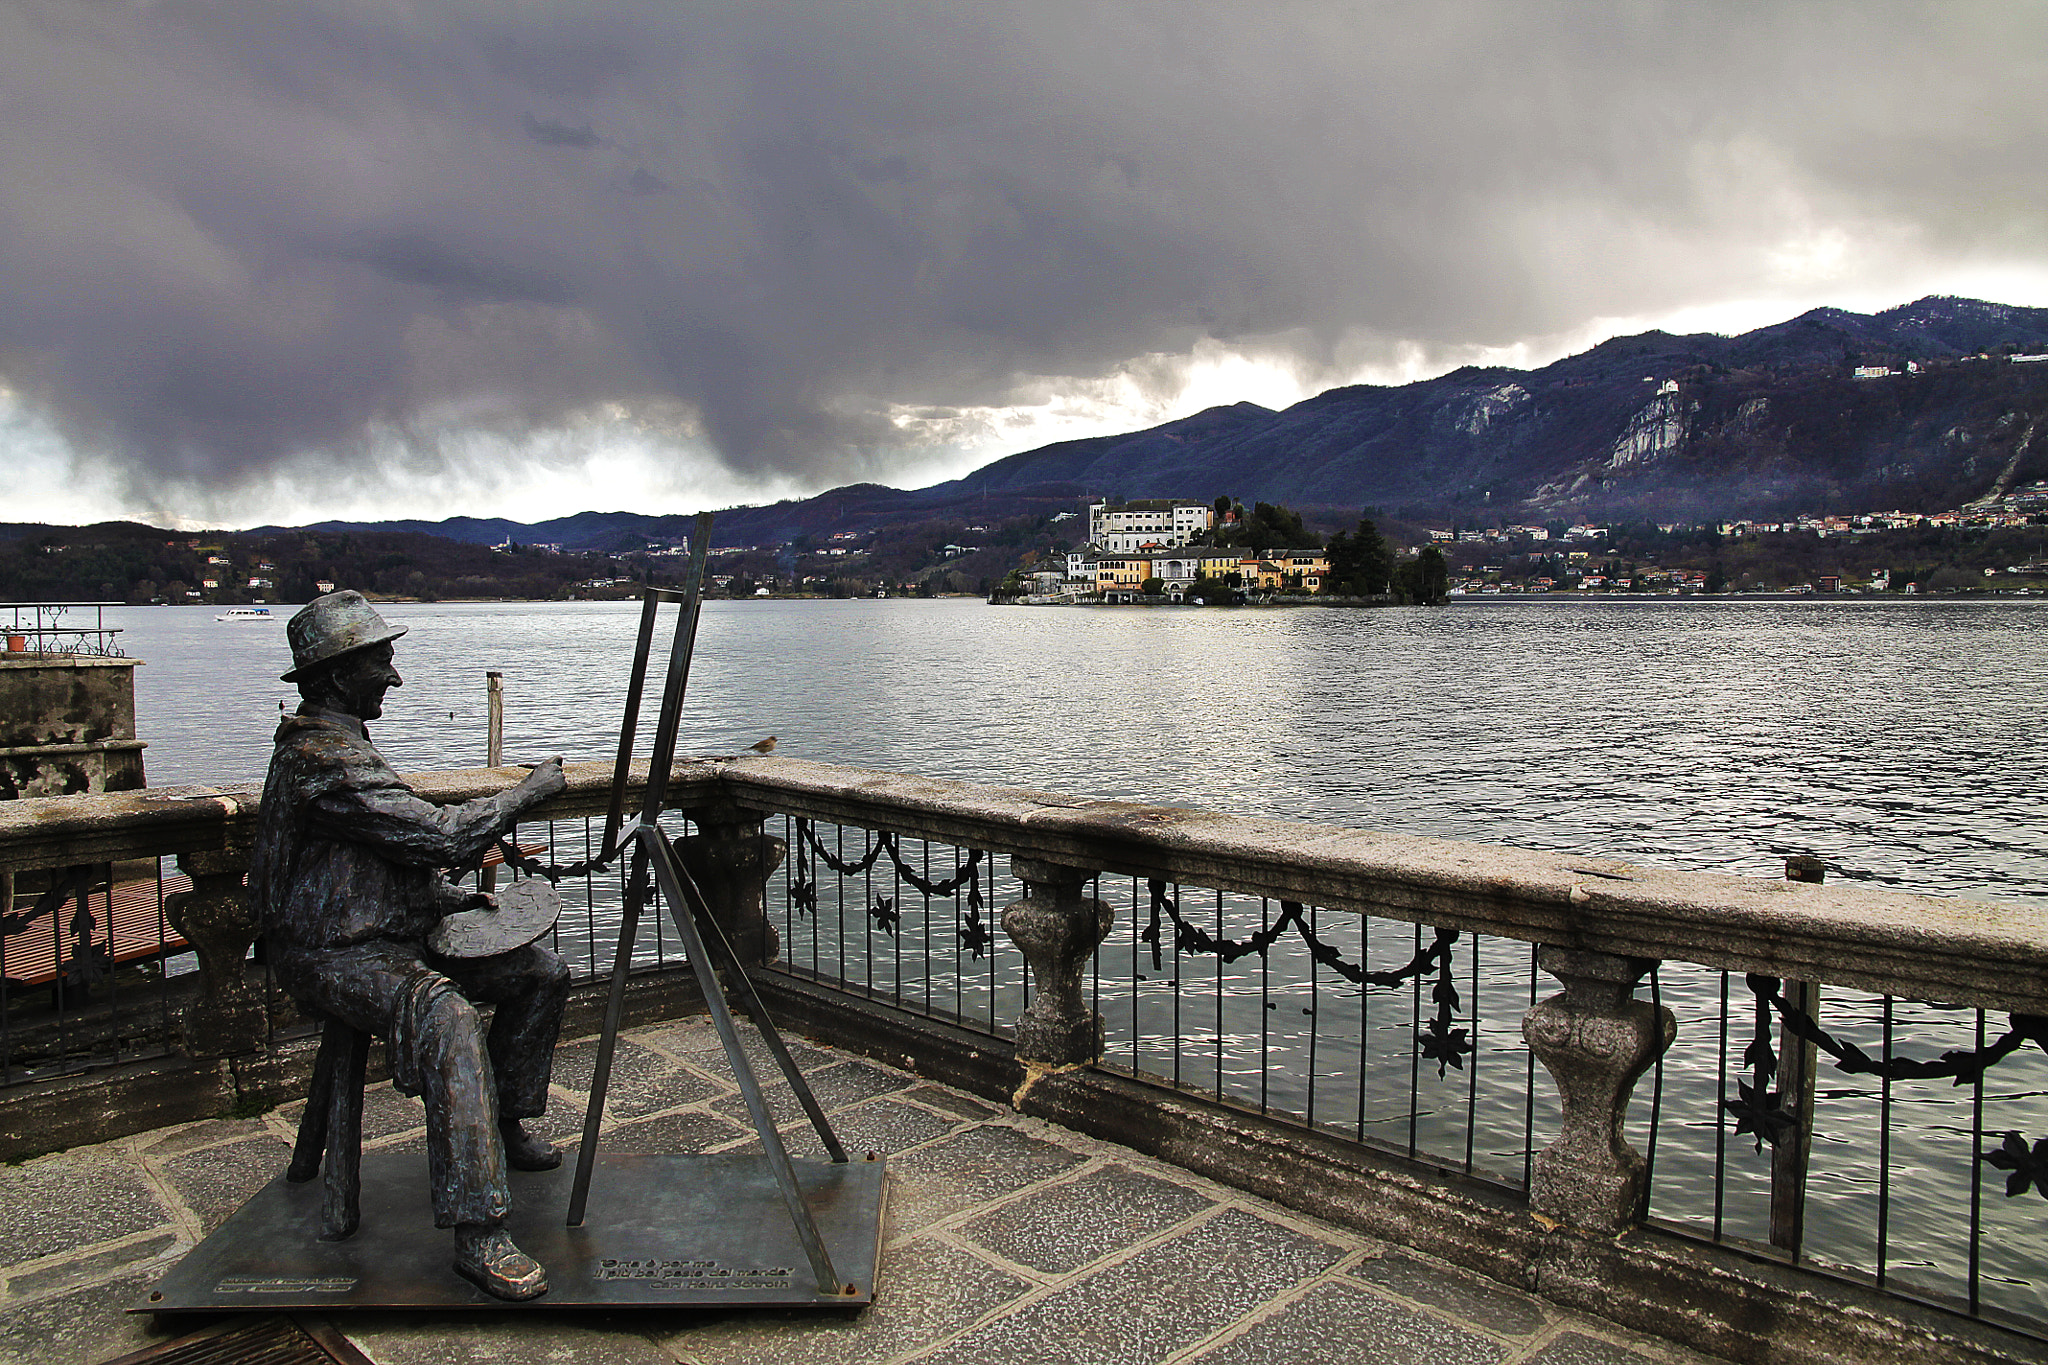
608 1041
671 878
772 1036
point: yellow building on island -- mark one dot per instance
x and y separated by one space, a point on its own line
1121 574
1122 577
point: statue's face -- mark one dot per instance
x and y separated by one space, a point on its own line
363 678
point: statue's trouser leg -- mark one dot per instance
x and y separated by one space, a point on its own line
437 1045
465 1154
530 987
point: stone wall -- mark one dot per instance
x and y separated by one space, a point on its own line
67 725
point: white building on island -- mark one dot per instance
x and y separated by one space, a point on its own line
1128 527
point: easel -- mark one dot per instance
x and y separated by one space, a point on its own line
694 924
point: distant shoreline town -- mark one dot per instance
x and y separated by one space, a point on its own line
1095 551
1157 551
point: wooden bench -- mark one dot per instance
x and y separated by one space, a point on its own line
141 932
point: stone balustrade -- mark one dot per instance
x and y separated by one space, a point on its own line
1952 951
1600 925
1598 919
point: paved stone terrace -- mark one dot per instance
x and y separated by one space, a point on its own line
1007 1240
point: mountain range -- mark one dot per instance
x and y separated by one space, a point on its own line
1768 422
1923 407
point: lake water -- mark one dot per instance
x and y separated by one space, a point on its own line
1900 741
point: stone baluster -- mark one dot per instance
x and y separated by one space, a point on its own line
215 917
1596 1039
731 857
1058 929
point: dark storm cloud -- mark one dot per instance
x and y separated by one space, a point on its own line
558 134
644 181
235 236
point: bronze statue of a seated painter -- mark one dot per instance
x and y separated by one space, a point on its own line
347 875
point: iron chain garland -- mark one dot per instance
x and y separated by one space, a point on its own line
1760 1110
974 933
1442 1043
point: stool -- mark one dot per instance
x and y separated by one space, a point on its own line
332 1127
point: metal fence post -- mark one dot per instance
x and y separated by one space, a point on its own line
494 749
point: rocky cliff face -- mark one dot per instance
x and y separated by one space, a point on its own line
1772 421
1660 429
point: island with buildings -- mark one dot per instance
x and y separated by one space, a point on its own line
1161 550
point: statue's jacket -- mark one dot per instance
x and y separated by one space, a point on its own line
346 873
345 852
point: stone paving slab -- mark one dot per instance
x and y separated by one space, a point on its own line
54 1206
213 1182
1005 1239
1341 1323
1454 1293
1062 1227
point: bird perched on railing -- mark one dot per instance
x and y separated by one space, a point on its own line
766 746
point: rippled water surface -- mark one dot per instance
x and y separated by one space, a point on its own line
1900 741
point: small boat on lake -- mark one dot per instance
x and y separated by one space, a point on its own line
246 614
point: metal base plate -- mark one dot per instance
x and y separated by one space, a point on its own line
662 1231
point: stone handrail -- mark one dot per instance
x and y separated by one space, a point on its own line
1988 954
1992 955
61 831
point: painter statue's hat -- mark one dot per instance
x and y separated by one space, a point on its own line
331 626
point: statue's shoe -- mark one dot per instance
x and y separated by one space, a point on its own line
527 1152
488 1259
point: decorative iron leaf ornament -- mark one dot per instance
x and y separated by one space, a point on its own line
975 936
1760 1112
885 915
1446 1046
2028 1166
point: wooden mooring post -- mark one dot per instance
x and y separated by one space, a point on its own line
1797 1061
494 748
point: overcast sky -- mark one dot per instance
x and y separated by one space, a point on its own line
284 261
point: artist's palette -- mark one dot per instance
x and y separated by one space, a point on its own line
526 909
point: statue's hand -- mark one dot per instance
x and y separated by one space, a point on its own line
546 779
480 900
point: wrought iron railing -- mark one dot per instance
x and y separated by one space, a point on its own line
1390 1009
1408 1039
60 628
